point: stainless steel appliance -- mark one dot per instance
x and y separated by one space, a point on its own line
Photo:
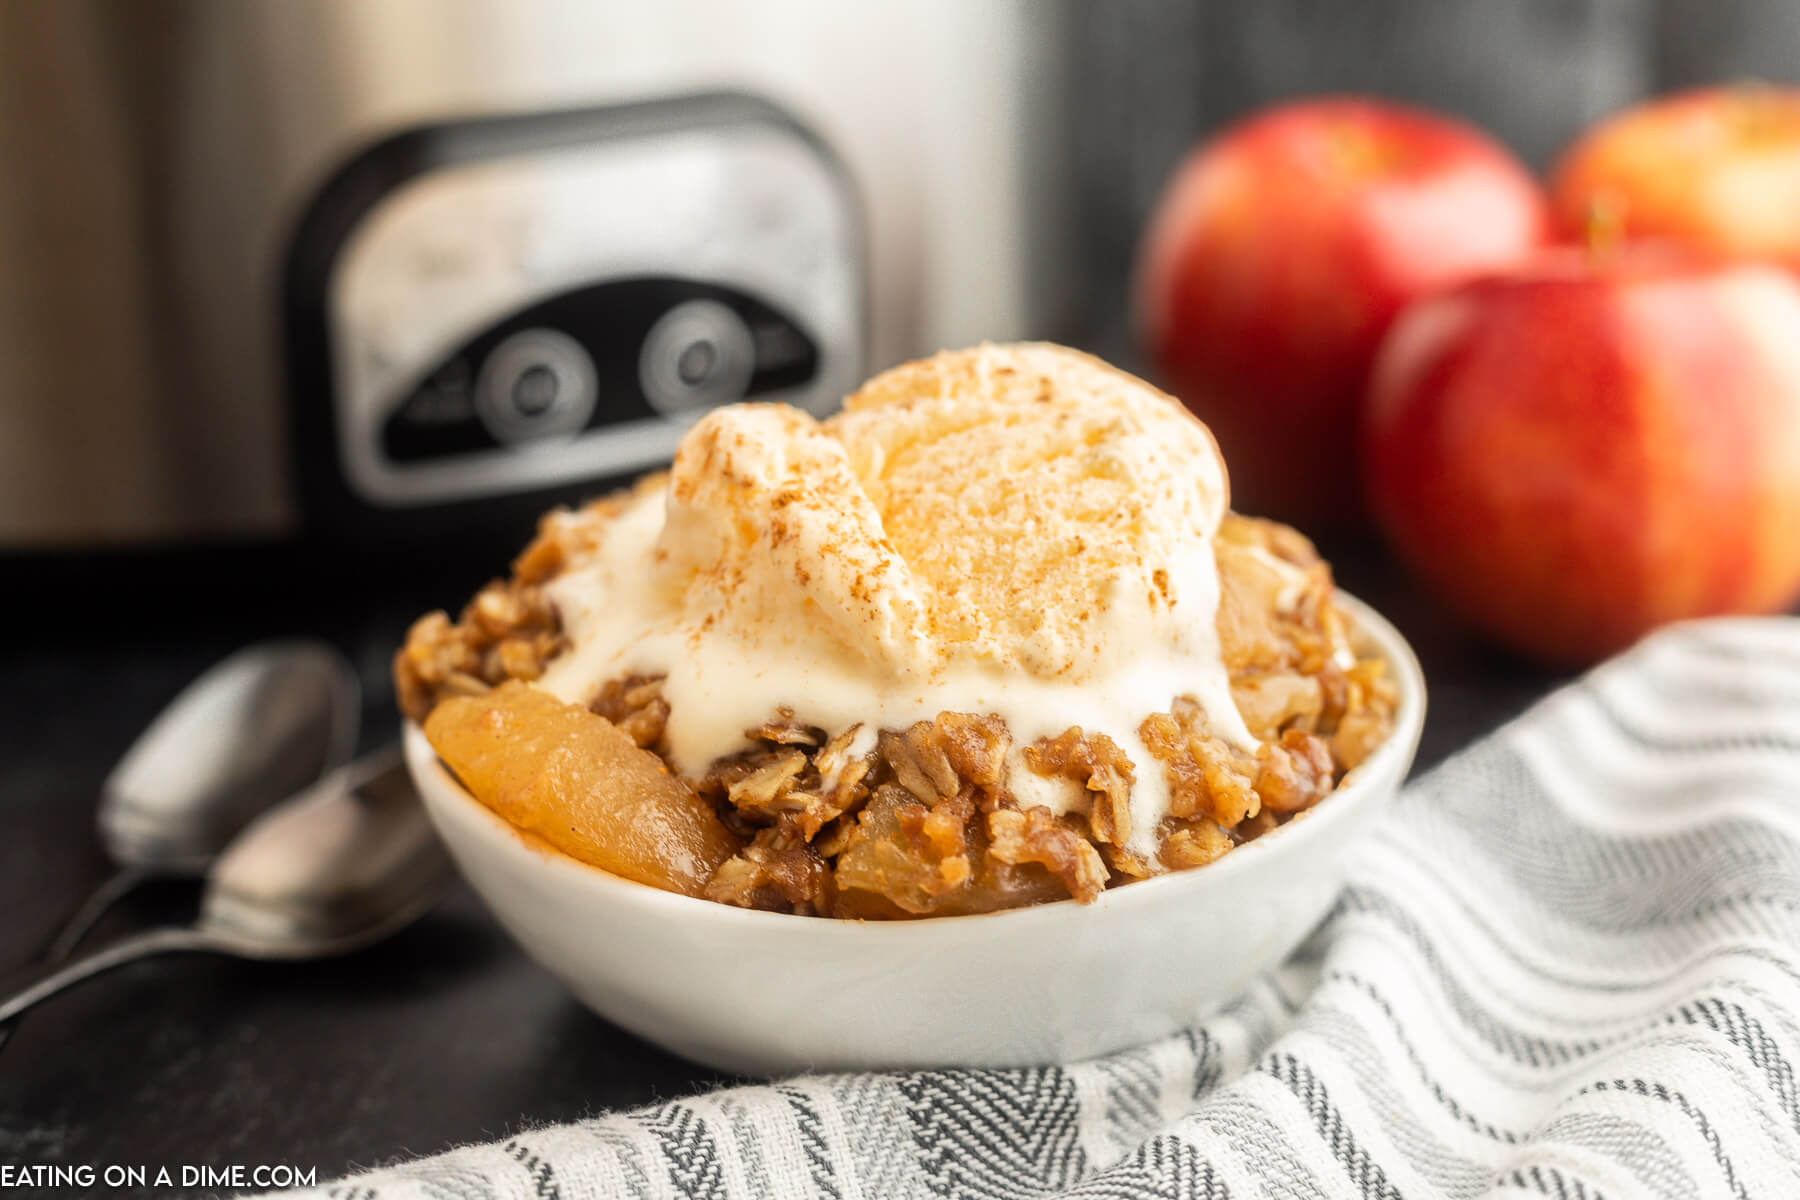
483 315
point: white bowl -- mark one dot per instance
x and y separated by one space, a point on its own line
769 993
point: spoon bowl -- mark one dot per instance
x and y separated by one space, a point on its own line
339 866
251 731
769 993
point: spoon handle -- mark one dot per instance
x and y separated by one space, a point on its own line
101 899
40 980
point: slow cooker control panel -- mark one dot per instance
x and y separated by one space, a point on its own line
644 353
553 301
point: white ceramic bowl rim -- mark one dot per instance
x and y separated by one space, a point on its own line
1409 717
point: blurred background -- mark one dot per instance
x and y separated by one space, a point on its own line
334 292
1002 157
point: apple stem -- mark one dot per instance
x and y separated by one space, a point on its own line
1605 224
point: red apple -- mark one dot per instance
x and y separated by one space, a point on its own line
1717 169
1583 449
1280 253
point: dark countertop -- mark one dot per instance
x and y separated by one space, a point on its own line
445 1034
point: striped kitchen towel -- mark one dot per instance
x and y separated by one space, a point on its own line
1568 966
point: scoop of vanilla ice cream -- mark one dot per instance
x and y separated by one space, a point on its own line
1052 511
768 526
1019 530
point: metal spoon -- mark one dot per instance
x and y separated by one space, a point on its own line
251 731
344 864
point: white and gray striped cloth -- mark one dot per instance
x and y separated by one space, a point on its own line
1569 966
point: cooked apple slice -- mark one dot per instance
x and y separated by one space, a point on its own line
578 782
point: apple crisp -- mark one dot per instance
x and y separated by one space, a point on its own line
942 817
